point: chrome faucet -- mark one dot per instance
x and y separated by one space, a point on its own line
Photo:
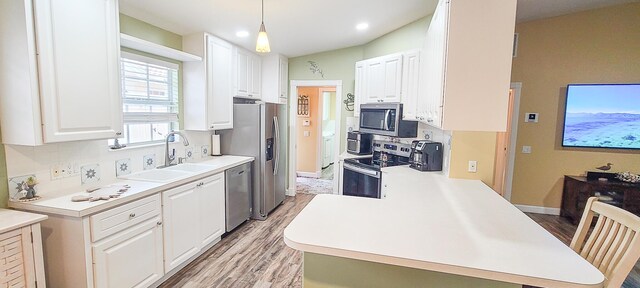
170 157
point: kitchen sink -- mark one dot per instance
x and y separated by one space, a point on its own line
159 175
188 167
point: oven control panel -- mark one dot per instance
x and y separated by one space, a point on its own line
399 149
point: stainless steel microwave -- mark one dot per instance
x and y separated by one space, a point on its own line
386 119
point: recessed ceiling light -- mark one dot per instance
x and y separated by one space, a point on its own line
362 26
242 34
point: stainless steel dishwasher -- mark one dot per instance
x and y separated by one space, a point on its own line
238 195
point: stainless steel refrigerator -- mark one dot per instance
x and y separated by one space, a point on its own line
259 130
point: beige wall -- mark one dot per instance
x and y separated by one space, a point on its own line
307 158
597 46
476 146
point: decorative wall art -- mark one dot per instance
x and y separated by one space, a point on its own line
349 102
303 105
313 66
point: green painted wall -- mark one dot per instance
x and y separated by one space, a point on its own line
143 30
335 65
410 36
340 64
322 271
4 189
134 27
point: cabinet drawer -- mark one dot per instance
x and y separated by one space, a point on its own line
122 217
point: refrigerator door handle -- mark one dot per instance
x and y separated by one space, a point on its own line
277 144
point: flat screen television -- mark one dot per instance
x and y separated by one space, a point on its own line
602 116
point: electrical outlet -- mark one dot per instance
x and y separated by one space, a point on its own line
56 172
526 149
67 169
473 166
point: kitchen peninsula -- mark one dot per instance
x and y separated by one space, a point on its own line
448 233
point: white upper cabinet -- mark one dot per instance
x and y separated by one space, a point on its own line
410 81
383 79
389 78
60 74
359 89
468 65
247 78
275 78
208 97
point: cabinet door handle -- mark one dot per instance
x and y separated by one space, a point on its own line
132 215
159 223
118 133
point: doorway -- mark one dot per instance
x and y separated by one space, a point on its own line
315 136
506 146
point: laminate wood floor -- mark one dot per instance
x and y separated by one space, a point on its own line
255 255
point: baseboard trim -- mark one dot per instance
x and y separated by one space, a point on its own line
309 174
539 209
289 192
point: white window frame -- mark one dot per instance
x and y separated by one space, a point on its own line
148 118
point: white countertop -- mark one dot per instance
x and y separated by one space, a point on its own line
432 222
62 205
346 155
11 219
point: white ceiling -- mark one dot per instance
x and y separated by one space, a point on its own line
295 27
302 27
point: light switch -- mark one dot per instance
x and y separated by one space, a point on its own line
526 149
531 117
307 133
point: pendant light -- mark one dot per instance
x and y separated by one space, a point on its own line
262 44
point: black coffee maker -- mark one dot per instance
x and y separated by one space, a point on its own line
426 155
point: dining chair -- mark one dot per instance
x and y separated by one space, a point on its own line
614 244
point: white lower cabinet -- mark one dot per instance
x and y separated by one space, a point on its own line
180 213
137 244
212 209
194 218
132 258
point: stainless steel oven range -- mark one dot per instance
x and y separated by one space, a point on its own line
363 178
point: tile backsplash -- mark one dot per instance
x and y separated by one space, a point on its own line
93 163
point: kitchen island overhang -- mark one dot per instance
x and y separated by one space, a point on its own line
459 228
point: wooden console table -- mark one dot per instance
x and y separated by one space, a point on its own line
577 189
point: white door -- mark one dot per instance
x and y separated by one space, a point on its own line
359 89
392 78
256 80
132 258
284 80
410 81
212 208
79 70
181 224
242 72
374 81
219 71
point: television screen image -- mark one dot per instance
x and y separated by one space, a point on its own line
602 116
